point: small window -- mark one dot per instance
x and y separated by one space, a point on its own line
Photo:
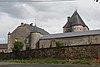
27 40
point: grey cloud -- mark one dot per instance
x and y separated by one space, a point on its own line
47 11
20 11
17 10
52 6
9 9
32 0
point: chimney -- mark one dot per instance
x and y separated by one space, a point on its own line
68 18
31 24
9 33
22 24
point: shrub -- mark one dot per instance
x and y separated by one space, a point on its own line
18 46
59 43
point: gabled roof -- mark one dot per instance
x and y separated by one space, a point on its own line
71 34
75 20
36 29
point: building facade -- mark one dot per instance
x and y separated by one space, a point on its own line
27 34
75 32
3 47
71 39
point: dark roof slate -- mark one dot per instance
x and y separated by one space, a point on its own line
75 20
3 46
36 29
71 34
67 25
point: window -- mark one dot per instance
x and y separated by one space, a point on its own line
27 40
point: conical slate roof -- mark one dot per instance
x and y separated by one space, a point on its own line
68 24
75 20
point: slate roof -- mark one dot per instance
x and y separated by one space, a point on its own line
3 46
36 29
75 19
71 34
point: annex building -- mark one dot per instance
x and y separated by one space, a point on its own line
75 32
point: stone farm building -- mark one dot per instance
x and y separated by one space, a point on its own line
75 32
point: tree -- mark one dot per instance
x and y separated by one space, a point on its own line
18 46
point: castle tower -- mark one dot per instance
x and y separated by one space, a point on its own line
9 41
35 36
75 24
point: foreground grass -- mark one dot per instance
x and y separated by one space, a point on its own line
79 62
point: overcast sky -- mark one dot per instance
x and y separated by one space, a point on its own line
50 16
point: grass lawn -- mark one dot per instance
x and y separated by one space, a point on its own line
78 62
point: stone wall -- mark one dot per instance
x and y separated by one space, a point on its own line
68 52
77 28
80 40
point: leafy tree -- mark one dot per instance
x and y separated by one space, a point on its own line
59 43
18 46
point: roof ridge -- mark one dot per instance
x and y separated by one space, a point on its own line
71 34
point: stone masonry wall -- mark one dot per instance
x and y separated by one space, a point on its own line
77 28
20 34
68 52
83 40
